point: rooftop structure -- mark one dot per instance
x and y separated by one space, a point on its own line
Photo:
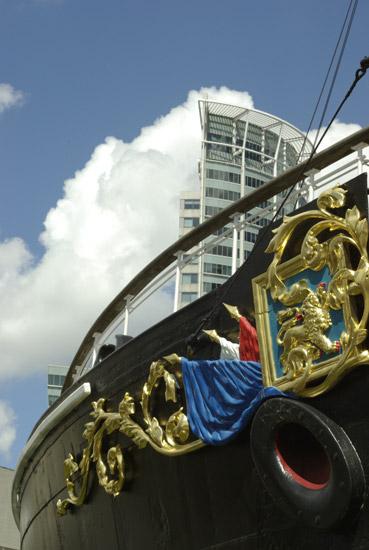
242 149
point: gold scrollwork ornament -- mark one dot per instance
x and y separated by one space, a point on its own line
169 437
307 316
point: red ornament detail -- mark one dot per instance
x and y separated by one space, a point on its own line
249 347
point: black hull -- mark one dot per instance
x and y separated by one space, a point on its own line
209 499
212 498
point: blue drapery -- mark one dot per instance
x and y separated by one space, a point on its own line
222 396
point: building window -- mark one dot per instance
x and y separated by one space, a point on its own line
55 379
220 124
212 210
250 237
189 278
188 297
254 137
190 222
191 204
219 137
217 269
222 176
271 142
223 194
208 287
253 146
250 155
221 230
194 260
220 250
253 182
291 155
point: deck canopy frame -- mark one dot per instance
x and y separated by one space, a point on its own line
287 132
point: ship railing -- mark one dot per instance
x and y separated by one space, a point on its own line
173 271
309 177
343 173
313 182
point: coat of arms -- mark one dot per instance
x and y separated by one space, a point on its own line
312 310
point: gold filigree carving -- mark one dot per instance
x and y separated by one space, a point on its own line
307 316
302 333
104 423
169 437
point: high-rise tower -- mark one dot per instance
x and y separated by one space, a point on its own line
241 149
55 379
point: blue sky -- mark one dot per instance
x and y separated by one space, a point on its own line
88 70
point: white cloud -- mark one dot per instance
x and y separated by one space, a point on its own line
337 131
14 258
117 213
7 428
9 97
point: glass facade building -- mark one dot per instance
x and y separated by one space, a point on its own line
55 379
241 150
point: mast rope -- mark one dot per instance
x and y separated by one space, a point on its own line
326 80
360 72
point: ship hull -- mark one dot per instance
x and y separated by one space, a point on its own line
213 498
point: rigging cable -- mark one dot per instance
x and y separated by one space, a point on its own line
324 84
343 47
364 66
352 6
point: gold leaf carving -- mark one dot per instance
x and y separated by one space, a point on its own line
304 323
70 466
170 439
360 336
177 428
332 198
352 218
126 406
362 230
170 387
155 432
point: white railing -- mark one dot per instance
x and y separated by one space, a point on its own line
312 184
317 177
310 187
121 323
